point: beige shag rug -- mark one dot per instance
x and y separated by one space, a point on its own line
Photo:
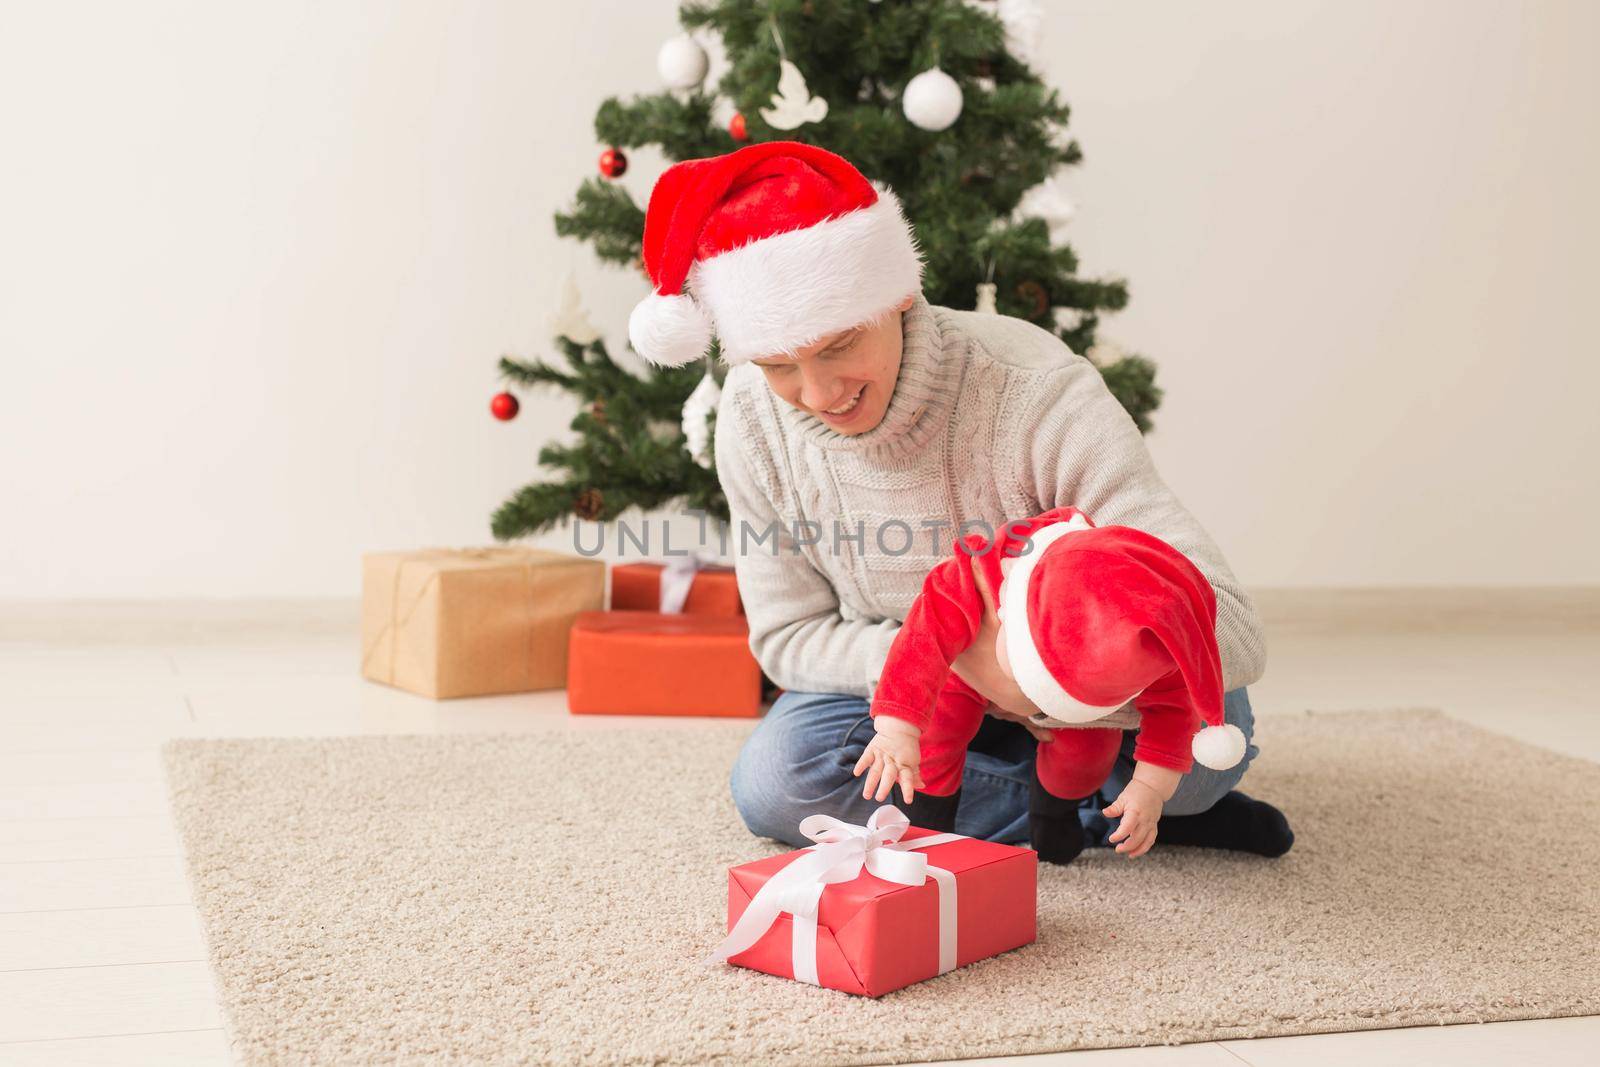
549 898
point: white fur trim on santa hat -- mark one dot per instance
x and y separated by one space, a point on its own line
1027 666
781 293
670 331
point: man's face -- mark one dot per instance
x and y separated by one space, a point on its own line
846 378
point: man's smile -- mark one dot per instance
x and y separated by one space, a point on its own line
848 406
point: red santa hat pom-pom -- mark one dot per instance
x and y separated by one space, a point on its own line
1219 747
669 330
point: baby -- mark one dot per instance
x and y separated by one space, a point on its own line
1091 618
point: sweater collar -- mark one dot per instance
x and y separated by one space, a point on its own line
924 391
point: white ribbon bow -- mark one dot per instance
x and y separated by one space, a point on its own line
677 577
843 850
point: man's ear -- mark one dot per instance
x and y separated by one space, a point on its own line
905 305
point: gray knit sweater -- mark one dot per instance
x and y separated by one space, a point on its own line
992 418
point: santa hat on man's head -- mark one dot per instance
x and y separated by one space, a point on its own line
1096 617
778 245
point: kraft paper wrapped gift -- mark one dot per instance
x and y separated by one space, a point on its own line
871 909
446 622
692 588
648 663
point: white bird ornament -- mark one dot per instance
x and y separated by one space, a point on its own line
793 105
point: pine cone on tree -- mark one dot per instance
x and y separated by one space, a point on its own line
1034 294
589 505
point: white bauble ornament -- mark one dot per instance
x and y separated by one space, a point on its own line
1219 747
1022 20
682 62
1048 201
793 105
1067 318
722 111
986 295
932 100
697 412
1105 353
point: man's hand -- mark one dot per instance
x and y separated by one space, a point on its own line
894 755
978 666
1042 734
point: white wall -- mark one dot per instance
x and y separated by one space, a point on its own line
256 262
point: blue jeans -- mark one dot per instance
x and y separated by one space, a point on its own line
799 759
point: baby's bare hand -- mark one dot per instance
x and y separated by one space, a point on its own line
1139 808
892 757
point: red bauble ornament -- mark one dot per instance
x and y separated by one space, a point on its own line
736 128
504 407
613 164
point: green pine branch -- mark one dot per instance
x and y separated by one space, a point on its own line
606 216
627 449
1132 380
682 127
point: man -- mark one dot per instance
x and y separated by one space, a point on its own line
861 430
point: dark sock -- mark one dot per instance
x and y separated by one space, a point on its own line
1053 825
1235 822
931 812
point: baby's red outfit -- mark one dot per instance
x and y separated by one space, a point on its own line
1072 765
1102 567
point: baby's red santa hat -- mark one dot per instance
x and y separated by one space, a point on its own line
1095 616
778 245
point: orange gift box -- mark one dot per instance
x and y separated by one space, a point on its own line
871 909
637 587
647 663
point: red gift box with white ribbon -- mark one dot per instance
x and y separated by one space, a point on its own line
870 909
683 584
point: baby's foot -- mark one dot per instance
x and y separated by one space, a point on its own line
931 812
1053 826
1235 822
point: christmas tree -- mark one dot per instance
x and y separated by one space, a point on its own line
935 98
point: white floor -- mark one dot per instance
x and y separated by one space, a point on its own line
101 957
